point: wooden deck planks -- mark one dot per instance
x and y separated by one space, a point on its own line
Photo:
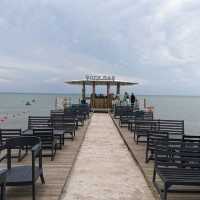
55 172
104 168
138 153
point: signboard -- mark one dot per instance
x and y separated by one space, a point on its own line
99 78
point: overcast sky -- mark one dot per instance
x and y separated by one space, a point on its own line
45 42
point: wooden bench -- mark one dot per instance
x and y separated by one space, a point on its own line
175 128
154 137
6 134
39 121
48 141
177 163
126 117
119 110
3 178
25 175
140 115
142 127
35 122
64 122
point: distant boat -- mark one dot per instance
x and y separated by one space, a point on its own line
33 100
28 103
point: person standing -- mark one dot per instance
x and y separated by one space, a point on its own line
132 99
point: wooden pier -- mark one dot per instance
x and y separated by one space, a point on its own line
104 168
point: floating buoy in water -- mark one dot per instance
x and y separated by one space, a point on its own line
2 119
28 103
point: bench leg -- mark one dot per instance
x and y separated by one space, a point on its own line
137 140
164 194
146 157
33 191
63 139
19 155
42 179
53 152
3 192
134 136
154 175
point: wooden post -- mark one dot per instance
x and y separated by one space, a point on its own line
83 91
144 103
108 96
118 88
93 88
108 89
93 94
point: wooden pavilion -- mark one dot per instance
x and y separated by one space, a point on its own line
99 102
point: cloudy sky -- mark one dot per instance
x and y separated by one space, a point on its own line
45 42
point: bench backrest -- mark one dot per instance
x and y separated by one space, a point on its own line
46 136
175 128
177 153
6 134
39 122
60 121
57 121
146 125
155 137
120 110
148 116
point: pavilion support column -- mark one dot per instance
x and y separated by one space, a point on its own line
83 91
93 94
109 100
93 88
108 89
118 89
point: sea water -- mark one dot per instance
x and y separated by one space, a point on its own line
14 112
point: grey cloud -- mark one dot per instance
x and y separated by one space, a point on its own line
150 41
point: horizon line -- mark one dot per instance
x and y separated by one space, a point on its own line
62 93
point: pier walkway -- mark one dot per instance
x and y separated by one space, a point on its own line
104 169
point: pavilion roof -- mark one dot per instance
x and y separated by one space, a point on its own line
101 82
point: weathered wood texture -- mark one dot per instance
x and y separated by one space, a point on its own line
138 153
55 172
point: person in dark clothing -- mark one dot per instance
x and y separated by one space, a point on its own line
132 99
83 101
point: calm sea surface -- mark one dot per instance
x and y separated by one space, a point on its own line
14 112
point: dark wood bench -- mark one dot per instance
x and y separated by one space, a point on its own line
48 141
175 128
177 163
3 179
66 123
39 121
154 137
142 127
70 125
35 122
126 117
6 134
119 110
25 175
141 115
79 120
82 111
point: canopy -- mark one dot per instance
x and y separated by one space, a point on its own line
100 82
